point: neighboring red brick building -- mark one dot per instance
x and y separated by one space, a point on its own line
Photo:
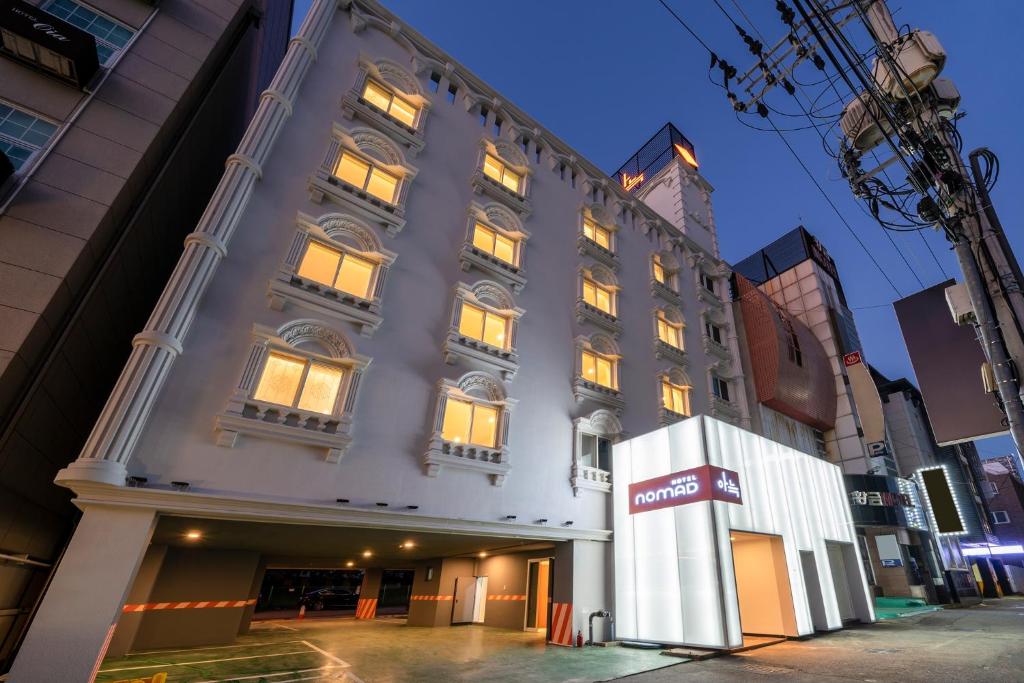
1005 493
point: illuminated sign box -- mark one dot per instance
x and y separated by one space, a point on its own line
941 501
47 42
682 494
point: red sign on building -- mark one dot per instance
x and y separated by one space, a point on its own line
852 358
706 482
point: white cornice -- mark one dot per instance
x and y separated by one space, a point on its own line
269 510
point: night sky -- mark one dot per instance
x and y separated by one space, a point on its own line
604 76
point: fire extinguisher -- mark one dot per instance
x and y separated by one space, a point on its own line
579 638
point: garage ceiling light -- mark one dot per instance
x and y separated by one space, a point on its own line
367 553
350 563
194 535
407 545
483 553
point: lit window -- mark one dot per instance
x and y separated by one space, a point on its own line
670 333
598 369
22 135
111 37
299 383
675 397
355 171
494 243
389 103
720 387
468 422
485 326
598 296
499 173
596 451
659 271
337 269
596 234
660 274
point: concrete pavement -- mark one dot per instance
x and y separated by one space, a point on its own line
983 643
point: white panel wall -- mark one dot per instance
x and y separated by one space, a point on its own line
785 492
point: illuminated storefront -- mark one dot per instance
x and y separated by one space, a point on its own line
720 532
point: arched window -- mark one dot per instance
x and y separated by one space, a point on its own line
483 327
389 98
598 297
669 326
336 265
664 276
675 395
593 437
495 242
471 427
299 384
368 171
598 235
503 172
597 370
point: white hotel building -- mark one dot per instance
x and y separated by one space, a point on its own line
403 335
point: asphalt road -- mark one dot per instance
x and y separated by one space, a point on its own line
981 643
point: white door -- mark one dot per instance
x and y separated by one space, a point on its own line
465 600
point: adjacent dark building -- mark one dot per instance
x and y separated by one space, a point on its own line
115 124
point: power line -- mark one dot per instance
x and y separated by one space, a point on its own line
800 161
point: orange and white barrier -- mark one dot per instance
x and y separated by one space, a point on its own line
432 597
195 604
506 597
561 624
366 608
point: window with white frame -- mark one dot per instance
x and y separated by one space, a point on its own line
471 427
1000 517
990 488
367 176
720 388
484 325
383 98
593 437
498 171
661 275
669 331
675 395
596 452
599 369
111 36
598 295
495 243
597 234
22 135
335 266
298 385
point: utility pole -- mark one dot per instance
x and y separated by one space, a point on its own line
967 227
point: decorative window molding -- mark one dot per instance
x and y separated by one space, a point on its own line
665 277
597 298
598 235
479 389
722 408
496 303
401 84
369 147
351 238
707 273
674 396
502 155
311 342
506 228
669 322
603 348
717 348
600 423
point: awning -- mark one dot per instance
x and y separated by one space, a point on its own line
48 43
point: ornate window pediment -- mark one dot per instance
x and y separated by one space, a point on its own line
496 244
593 436
366 172
669 335
483 328
665 276
336 266
597 300
598 235
389 98
597 371
503 173
470 431
299 384
674 396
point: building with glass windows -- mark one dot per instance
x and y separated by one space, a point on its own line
402 336
116 117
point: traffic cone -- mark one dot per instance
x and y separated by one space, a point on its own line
302 611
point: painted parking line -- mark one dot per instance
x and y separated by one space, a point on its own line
205 649
282 673
208 661
325 653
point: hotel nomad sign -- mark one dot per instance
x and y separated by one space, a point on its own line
706 482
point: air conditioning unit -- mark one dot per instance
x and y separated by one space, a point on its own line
920 57
959 302
947 97
858 123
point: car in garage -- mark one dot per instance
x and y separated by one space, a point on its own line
330 597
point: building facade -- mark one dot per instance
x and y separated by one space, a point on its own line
404 334
1004 492
116 117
